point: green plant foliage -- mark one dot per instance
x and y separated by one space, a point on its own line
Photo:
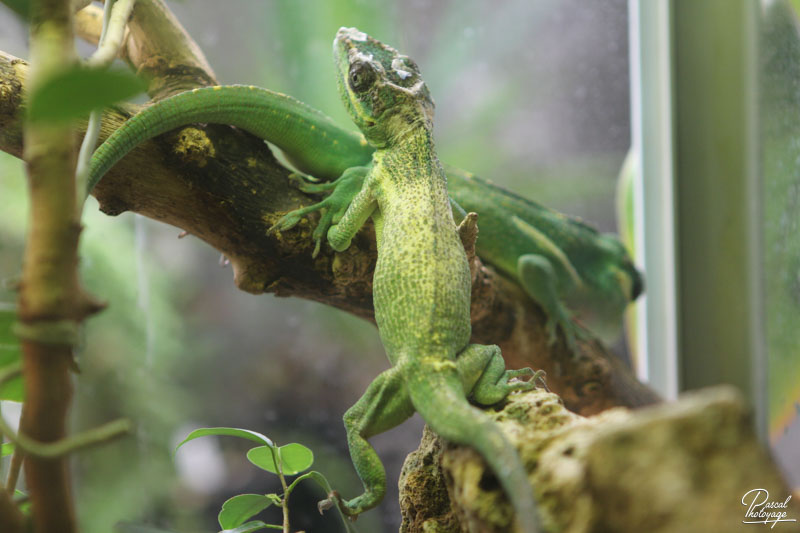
227 432
25 506
7 448
255 525
21 7
124 527
9 354
295 458
76 91
240 508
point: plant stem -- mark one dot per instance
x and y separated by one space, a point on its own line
49 290
285 501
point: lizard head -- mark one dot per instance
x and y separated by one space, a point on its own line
621 272
613 282
381 88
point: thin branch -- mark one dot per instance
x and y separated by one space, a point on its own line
112 32
51 450
157 47
115 17
14 470
89 24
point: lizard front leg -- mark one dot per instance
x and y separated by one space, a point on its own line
383 406
333 208
542 275
361 208
538 278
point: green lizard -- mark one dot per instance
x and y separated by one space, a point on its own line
559 261
421 284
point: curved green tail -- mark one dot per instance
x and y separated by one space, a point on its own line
439 399
310 139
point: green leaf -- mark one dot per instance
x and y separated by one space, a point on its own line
25 506
124 527
7 448
263 458
228 432
240 508
21 7
295 458
9 345
255 525
74 92
11 389
321 480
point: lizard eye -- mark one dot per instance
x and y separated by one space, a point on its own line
362 76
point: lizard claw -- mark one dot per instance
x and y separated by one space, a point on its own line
334 499
327 503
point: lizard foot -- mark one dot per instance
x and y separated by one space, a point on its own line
512 381
335 499
333 207
572 331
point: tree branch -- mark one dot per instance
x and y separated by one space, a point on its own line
225 187
156 46
680 467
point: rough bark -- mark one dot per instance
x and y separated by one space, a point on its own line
674 468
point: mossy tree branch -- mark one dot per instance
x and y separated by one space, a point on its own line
680 467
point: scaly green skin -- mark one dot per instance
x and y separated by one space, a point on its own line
561 262
421 285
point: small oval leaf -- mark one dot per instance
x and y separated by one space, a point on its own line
13 390
295 458
240 508
10 355
255 525
229 432
262 457
7 448
74 92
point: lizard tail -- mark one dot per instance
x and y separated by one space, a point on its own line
439 398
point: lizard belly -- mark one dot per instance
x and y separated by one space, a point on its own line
421 287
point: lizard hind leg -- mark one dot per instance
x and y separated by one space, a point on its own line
438 395
383 406
483 373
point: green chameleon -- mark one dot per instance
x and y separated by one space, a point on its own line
561 262
422 283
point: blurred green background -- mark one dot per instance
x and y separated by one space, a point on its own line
531 94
